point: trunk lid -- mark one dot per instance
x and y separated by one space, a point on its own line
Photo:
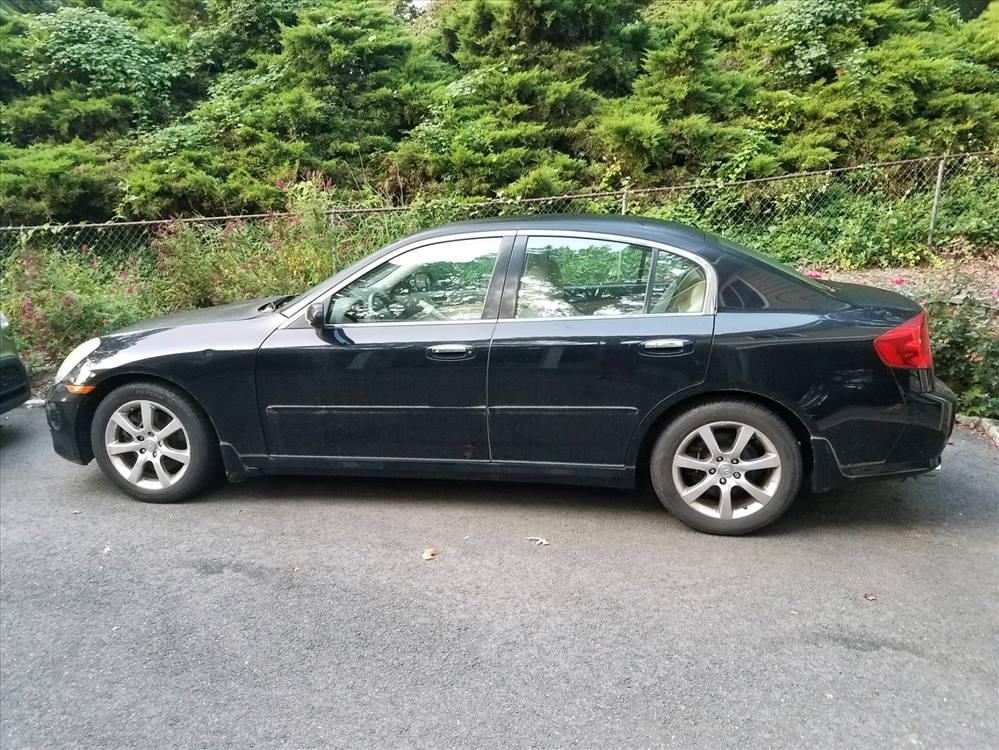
897 306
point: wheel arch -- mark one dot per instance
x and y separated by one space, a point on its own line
85 416
642 447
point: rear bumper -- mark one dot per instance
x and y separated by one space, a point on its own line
928 426
62 410
15 388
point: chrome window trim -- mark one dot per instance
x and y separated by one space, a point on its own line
608 317
710 306
293 312
710 294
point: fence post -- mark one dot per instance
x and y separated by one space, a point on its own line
336 237
624 202
936 201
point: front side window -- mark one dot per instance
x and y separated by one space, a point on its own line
569 277
443 281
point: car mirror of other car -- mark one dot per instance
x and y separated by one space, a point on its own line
316 314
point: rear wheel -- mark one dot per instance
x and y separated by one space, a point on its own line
726 468
154 442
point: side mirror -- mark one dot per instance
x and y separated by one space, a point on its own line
316 314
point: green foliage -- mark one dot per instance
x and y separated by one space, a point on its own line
966 354
66 114
205 104
41 183
103 54
208 265
58 298
808 34
235 31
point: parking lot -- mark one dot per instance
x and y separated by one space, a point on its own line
300 613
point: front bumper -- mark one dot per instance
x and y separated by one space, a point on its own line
929 423
69 431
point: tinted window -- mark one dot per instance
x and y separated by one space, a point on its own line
443 281
679 285
567 277
740 294
770 262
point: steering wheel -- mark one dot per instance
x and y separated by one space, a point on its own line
375 311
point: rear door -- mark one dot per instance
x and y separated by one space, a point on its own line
594 332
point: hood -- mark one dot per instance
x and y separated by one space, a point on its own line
223 313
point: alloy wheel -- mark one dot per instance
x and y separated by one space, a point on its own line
726 470
147 444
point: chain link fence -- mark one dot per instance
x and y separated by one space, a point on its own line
889 212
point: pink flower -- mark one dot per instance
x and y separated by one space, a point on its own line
899 281
280 184
813 274
130 290
67 300
995 293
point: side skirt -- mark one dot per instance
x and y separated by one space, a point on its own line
239 468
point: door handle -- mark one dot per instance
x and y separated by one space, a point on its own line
667 346
450 352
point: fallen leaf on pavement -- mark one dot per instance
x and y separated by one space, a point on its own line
429 553
871 597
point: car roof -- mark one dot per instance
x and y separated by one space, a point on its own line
637 227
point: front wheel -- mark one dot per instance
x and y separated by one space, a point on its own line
154 442
729 467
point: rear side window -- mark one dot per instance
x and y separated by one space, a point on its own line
576 277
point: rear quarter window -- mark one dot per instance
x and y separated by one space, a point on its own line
751 281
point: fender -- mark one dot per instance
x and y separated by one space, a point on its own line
701 391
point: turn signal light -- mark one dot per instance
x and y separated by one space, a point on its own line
80 389
907 346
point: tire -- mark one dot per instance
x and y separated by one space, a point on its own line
682 460
178 459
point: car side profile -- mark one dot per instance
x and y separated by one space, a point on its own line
574 349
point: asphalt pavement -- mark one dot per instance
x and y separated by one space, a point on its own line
300 613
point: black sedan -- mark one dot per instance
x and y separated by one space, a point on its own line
15 388
577 349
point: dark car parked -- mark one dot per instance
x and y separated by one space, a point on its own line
15 388
578 349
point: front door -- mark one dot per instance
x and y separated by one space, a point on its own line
399 371
594 333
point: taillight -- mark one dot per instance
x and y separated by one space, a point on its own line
908 345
